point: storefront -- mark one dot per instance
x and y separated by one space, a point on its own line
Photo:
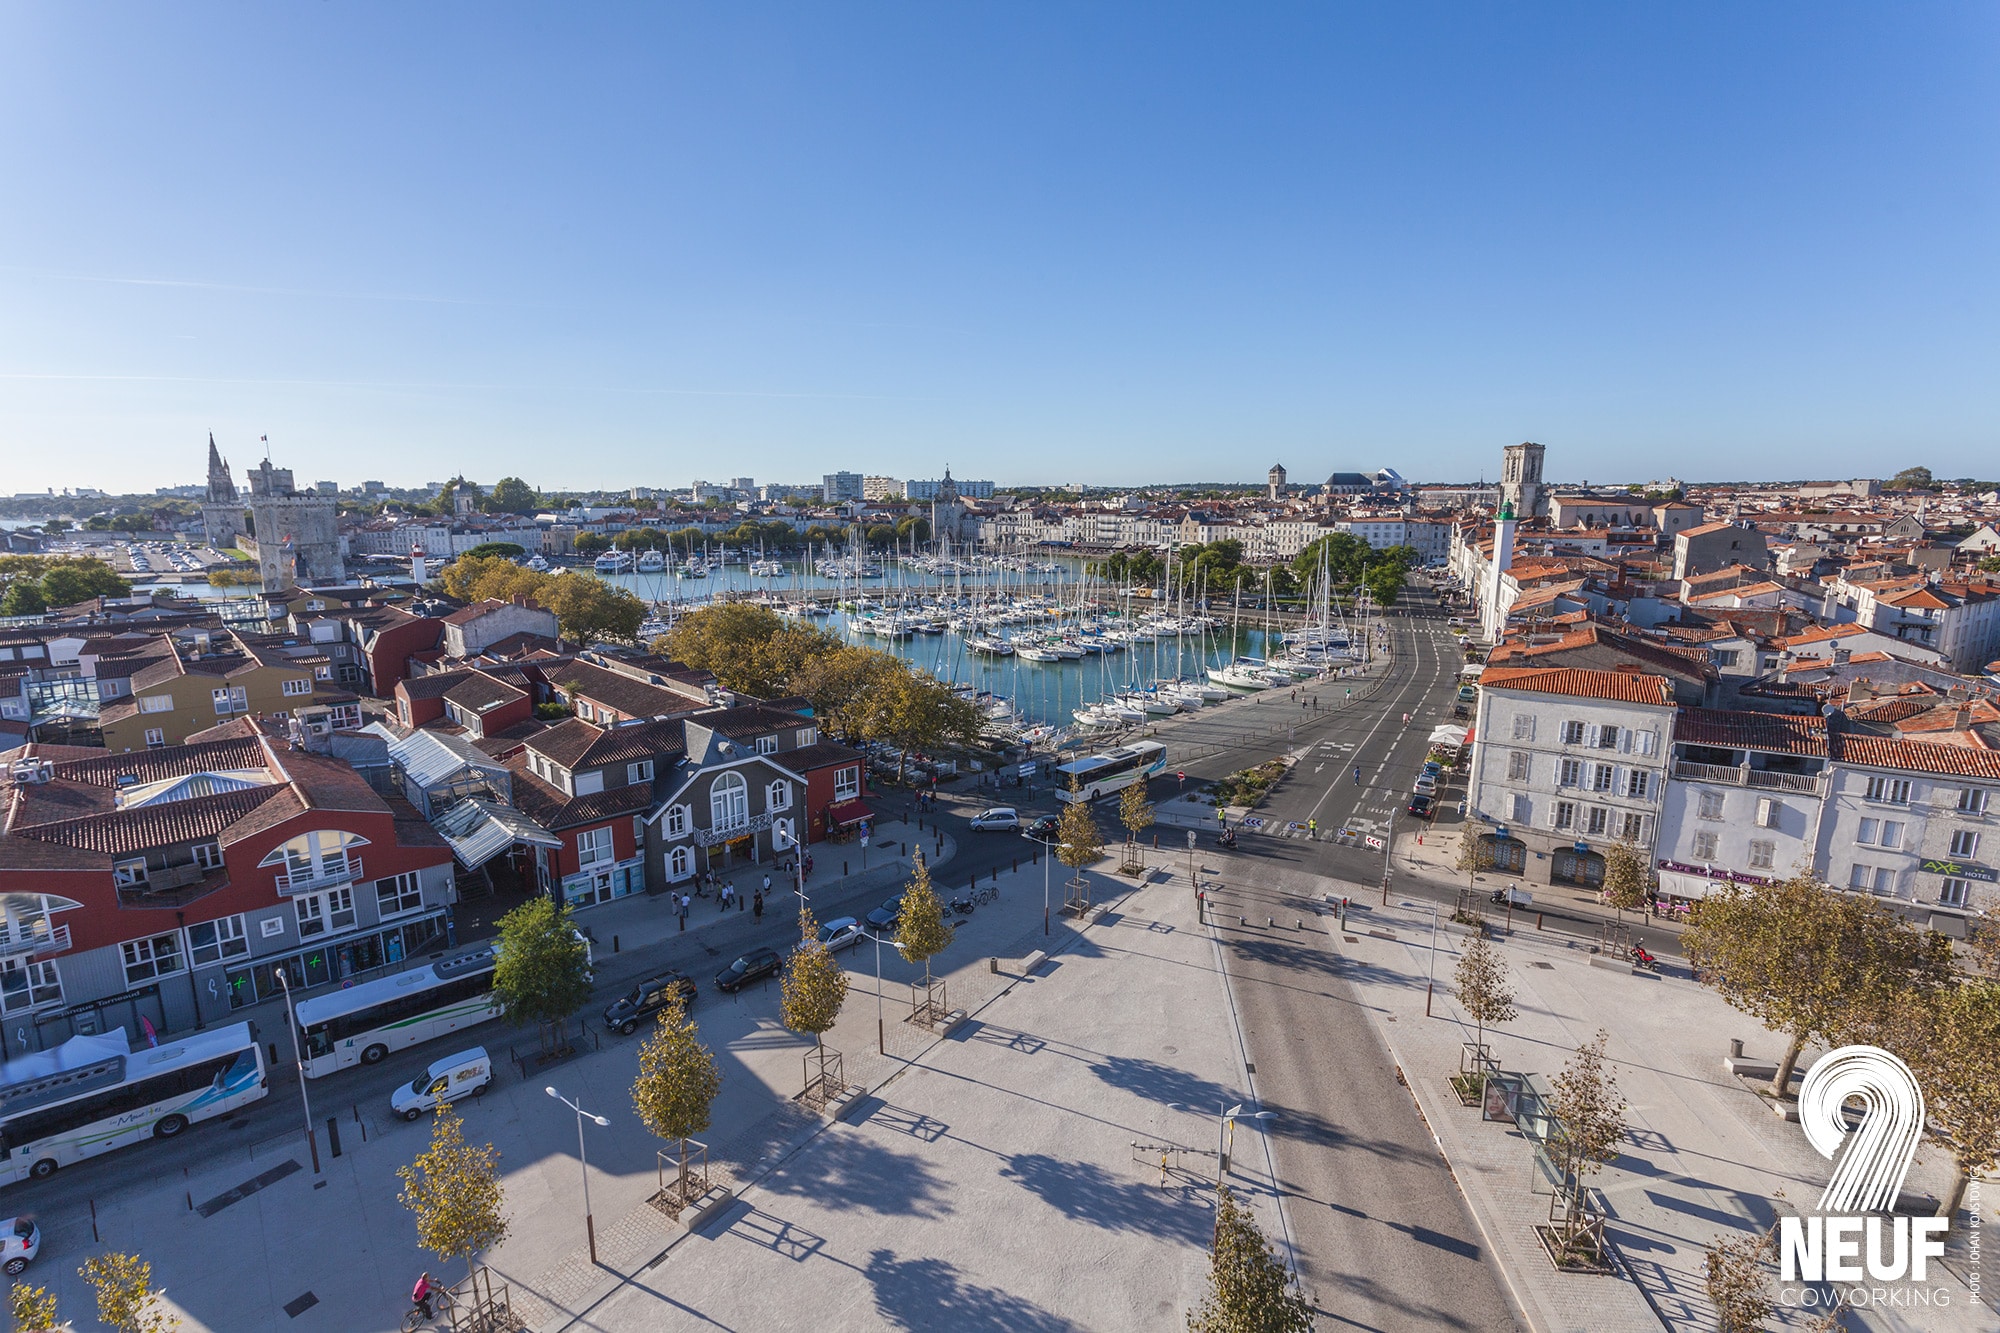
1503 853
1576 865
847 819
345 959
1682 885
601 884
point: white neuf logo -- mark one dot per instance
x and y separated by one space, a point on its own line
1867 1177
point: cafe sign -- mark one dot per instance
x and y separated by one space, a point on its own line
1960 870
1714 872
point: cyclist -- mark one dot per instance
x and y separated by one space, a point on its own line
420 1295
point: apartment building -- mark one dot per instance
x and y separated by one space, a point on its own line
206 677
1743 799
1914 822
1566 761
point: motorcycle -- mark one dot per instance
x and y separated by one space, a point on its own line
1226 839
1640 958
961 906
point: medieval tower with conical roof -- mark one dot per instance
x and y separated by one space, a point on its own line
297 536
221 510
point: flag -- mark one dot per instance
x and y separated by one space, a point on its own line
152 1037
264 439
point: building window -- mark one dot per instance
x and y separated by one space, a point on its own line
1952 893
208 855
297 687
1601 777
778 796
677 821
156 739
25 985
1965 843
767 745
807 736
1598 818
1631 826
1607 738
1881 833
213 941
681 863
1768 810
1972 800
1524 810
145 959
593 847
1572 733
1524 726
1565 814
321 912
1860 876
639 831
1518 764
728 803
127 873
1704 846
1569 773
847 783
639 772
1894 791
1762 854
1638 783
583 710
157 703
1709 805
399 894
230 699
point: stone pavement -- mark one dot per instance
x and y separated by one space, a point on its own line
1006 1178
1703 1157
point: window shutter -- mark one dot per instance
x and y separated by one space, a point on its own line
1625 740
1648 741
1592 734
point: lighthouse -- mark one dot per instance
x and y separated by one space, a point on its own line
418 570
1491 619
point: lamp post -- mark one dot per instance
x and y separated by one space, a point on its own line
798 859
881 1031
1048 854
1225 1130
298 1058
589 1225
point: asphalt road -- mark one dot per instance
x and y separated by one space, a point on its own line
1383 1237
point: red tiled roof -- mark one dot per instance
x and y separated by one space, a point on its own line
1620 686
1729 729
1919 756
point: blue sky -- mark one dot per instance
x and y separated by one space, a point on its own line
640 244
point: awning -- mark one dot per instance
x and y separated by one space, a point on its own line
1472 670
848 812
1448 735
479 830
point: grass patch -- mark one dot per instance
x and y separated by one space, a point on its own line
1247 786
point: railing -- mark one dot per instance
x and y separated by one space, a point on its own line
709 837
1807 784
174 877
35 936
344 871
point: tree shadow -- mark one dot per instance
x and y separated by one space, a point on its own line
850 1173
1163 1083
1086 1192
929 1294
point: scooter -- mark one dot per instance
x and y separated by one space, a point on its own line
961 906
1640 958
1226 839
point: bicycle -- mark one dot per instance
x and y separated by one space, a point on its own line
991 893
442 1303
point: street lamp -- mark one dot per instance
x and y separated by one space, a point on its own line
881 1032
1048 854
791 840
1430 971
1225 1130
298 1058
589 1226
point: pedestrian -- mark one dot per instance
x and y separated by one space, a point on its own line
684 911
1357 775
757 906
767 884
1312 830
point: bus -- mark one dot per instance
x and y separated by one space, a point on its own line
1114 770
94 1093
362 1024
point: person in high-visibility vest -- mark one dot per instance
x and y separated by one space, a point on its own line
1312 829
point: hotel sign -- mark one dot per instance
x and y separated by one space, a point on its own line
1960 870
1715 872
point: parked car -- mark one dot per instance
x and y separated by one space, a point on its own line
1426 784
752 966
843 932
1421 805
884 918
20 1242
629 1010
999 817
467 1074
1043 829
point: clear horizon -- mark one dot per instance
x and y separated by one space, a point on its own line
640 246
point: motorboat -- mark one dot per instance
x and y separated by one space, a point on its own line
766 569
613 562
651 561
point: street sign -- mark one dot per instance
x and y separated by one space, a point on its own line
1190 838
1373 842
864 840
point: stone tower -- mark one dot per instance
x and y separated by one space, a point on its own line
1276 477
298 537
221 510
1521 481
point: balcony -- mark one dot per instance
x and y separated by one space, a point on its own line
1803 784
173 886
31 937
743 828
324 875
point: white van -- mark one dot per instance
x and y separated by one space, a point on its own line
467 1074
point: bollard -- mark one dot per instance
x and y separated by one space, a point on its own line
1017 865
1538 921
1735 1048
1242 920
996 874
333 1133
1269 923
1297 924
843 867
614 944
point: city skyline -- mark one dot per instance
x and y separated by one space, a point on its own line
1039 246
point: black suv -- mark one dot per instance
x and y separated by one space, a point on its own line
646 999
752 966
1044 829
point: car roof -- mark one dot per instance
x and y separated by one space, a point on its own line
999 810
454 1061
840 921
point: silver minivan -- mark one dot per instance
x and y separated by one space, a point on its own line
843 932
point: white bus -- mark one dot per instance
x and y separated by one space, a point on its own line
362 1024
1114 770
92 1094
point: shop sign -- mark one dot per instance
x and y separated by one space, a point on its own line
1714 872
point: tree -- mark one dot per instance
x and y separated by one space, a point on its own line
590 543
678 1079
921 932
1135 812
1948 1037
588 608
1590 1114
1809 961
126 1298
541 969
23 598
1625 880
1384 584
1078 843
1912 479
915 711
1483 989
511 495
455 1192
504 550
1738 1282
53 527
813 987
70 581
1249 1289
33 1309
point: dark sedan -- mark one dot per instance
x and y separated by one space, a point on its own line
884 918
1421 805
1043 829
752 966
